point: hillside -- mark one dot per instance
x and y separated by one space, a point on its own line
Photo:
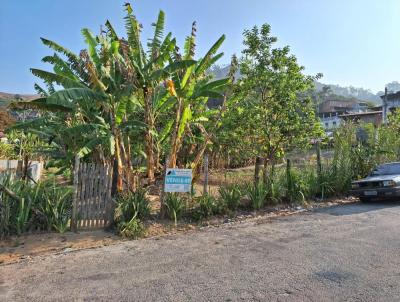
7 117
348 92
5 97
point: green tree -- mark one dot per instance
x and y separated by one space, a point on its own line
275 116
115 96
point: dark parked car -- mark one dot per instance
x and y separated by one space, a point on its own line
382 183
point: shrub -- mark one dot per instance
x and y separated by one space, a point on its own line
231 195
296 186
131 208
55 204
207 206
175 206
257 195
133 204
132 229
25 206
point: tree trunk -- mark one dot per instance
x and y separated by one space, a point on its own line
163 207
149 137
175 136
119 164
268 171
196 163
319 168
257 171
205 187
290 189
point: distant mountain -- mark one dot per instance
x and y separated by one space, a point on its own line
361 94
6 98
11 96
349 92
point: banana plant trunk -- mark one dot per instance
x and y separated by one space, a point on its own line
117 174
197 161
175 140
149 137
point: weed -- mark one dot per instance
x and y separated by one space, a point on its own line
133 204
231 195
207 206
175 206
132 229
257 195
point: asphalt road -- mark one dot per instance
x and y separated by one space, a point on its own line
345 253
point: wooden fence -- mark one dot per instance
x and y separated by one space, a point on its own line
92 204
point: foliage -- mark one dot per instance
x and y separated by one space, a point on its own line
120 100
175 206
132 204
132 229
25 206
257 195
231 196
55 204
131 208
207 205
7 151
268 114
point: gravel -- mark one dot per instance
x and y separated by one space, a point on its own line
344 253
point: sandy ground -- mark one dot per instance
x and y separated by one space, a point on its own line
343 253
28 246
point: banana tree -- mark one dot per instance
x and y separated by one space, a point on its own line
96 86
191 88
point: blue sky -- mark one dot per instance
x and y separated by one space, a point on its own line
353 42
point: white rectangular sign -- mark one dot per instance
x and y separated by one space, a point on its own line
178 180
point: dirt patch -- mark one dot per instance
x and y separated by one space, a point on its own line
26 246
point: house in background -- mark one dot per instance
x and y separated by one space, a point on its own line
370 117
331 112
390 102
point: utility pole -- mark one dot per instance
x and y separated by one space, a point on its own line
384 107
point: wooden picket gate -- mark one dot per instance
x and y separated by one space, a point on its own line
92 205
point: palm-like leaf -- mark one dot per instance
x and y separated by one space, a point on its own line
155 43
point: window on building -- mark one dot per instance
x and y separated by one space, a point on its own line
334 124
326 125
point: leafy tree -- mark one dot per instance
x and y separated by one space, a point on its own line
274 115
115 95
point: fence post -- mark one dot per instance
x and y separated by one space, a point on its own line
205 188
319 168
257 171
289 179
162 195
74 217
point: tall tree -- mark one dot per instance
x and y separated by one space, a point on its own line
277 115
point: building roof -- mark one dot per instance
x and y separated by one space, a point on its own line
391 96
361 113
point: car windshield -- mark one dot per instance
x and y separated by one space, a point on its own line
387 169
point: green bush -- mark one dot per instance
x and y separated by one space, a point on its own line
131 208
25 206
231 196
257 195
175 206
207 205
132 229
132 204
55 204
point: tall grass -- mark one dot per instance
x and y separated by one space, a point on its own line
27 207
231 195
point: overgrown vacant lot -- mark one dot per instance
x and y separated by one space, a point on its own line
344 253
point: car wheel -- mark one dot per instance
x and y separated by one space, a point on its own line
365 199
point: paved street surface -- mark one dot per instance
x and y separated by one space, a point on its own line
345 253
